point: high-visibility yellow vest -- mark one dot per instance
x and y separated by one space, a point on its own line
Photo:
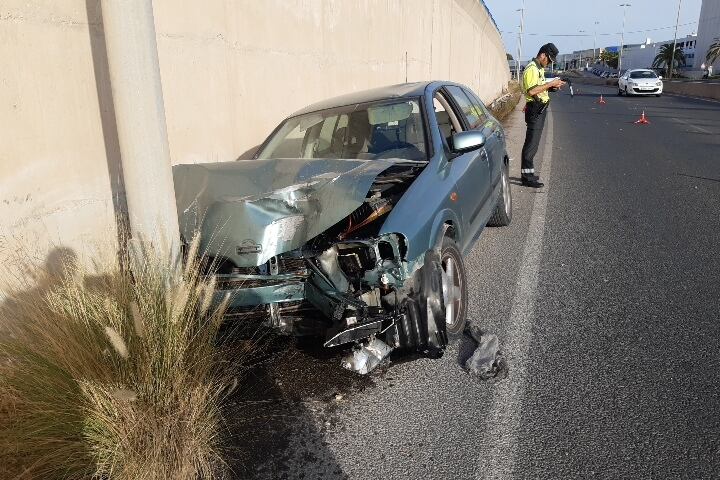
533 76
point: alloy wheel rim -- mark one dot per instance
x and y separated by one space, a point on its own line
506 193
451 289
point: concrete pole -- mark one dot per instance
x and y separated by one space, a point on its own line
595 44
672 59
522 27
622 37
142 132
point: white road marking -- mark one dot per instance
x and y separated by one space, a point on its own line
690 125
497 460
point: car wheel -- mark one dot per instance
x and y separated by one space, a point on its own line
658 95
626 92
502 216
454 288
619 92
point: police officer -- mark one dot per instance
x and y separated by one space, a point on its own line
538 99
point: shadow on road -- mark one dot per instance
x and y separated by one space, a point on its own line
286 402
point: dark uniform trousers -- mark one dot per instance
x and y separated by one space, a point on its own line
535 114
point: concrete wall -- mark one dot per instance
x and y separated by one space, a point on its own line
231 70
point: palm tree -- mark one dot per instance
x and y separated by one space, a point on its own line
713 53
665 57
610 59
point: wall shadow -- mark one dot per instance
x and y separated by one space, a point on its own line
36 283
108 120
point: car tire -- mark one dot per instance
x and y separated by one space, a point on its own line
658 95
453 278
502 216
619 92
626 92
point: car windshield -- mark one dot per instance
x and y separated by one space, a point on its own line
360 131
643 74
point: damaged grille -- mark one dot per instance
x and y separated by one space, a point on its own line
293 265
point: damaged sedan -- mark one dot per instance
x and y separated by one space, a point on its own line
351 221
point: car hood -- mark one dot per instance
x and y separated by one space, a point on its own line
249 211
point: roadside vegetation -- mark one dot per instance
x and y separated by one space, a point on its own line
112 374
503 106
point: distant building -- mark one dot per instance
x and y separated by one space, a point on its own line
642 55
708 32
579 59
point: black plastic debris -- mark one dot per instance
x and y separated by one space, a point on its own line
487 360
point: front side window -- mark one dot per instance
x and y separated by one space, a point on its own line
479 104
643 74
473 113
360 131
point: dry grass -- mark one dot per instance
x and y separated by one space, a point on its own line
503 106
108 374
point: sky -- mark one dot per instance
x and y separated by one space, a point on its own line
560 22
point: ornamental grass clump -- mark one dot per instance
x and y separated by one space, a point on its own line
113 373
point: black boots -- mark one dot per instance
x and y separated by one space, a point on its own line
531 181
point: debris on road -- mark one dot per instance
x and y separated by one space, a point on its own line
487 361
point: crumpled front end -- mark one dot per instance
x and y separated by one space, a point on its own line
359 292
298 242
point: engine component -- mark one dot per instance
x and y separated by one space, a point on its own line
368 212
355 259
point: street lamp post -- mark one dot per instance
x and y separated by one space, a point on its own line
582 46
595 43
522 29
672 59
622 37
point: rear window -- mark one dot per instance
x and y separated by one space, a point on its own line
360 131
643 74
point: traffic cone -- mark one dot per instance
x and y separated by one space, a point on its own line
602 100
643 119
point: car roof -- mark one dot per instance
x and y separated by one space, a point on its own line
402 90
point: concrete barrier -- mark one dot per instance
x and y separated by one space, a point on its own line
231 70
694 89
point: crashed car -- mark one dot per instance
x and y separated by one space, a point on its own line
352 219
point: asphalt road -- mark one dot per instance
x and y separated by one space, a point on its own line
605 294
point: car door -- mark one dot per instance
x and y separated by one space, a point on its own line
495 138
477 180
473 181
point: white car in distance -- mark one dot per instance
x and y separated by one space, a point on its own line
640 82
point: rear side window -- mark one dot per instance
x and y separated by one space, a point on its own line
473 113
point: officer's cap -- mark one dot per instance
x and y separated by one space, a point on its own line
550 50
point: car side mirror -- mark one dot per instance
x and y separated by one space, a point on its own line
467 141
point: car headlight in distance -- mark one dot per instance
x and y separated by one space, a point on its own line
659 84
